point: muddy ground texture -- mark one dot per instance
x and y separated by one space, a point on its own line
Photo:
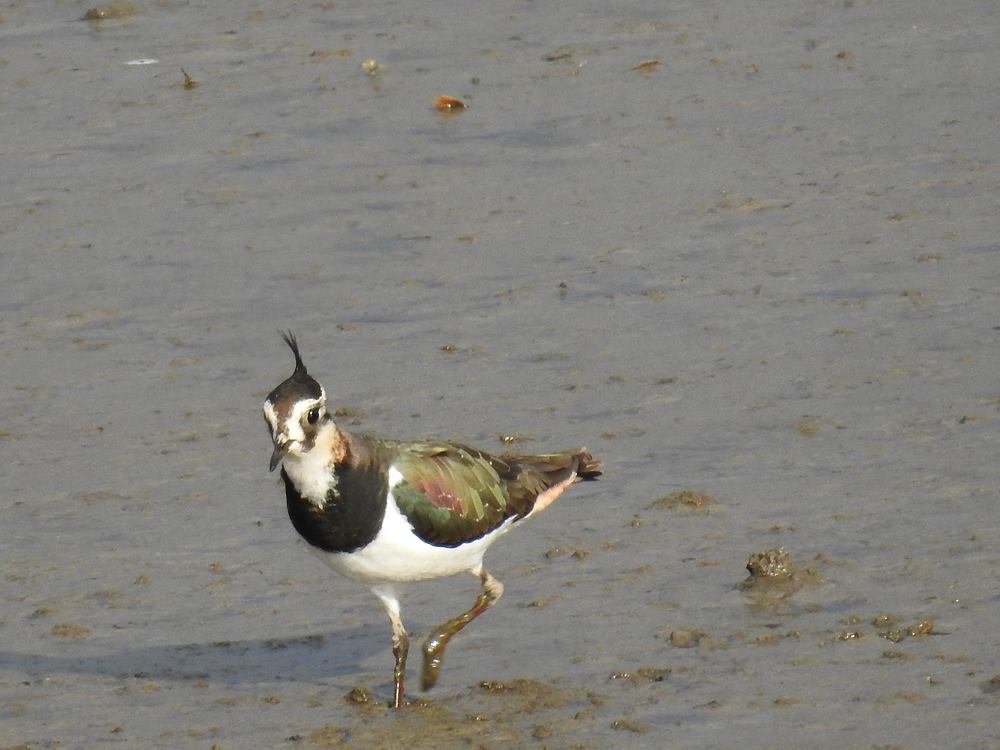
745 253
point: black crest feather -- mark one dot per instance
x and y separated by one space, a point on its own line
293 344
300 384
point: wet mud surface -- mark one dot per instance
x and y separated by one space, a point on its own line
748 256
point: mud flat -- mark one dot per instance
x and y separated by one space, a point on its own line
746 254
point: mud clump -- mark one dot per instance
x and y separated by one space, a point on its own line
686 638
110 10
529 694
773 564
631 725
486 716
642 675
775 567
774 577
65 630
359 696
685 501
327 736
888 627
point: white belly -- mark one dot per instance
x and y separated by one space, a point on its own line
397 554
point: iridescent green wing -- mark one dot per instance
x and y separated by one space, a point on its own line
453 494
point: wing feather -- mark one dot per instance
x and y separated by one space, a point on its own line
452 494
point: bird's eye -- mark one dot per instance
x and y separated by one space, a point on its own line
313 415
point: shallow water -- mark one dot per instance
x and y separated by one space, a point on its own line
765 269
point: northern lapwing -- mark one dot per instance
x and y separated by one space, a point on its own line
383 512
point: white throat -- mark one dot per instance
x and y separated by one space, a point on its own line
312 473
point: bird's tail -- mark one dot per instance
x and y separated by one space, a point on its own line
558 467
589 468
542 478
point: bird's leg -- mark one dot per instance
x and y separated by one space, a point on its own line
400 647
400 641
435 644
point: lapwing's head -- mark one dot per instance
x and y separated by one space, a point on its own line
295 411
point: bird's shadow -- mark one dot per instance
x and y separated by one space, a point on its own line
314 657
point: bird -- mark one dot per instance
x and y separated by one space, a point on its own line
386 512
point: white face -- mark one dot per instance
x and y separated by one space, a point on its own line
295 432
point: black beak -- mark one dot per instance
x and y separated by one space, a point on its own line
280 449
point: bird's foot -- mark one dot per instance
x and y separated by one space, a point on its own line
435 644
397 697
433 658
